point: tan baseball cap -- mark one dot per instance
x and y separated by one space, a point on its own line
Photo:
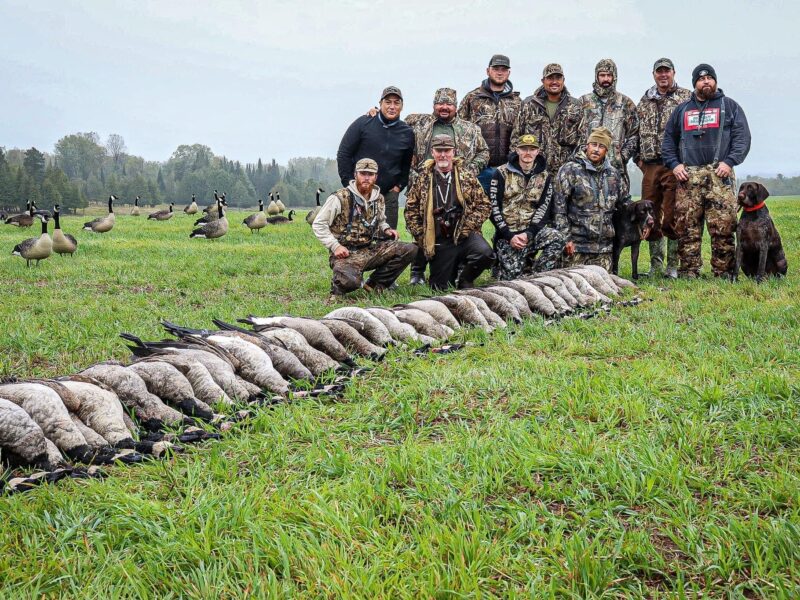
527 140
368 165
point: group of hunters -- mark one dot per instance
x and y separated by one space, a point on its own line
548 171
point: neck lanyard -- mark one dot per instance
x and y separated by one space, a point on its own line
444 198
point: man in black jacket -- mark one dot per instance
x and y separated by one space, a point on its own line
705 137
386 139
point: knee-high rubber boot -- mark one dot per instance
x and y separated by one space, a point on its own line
656 257
672 259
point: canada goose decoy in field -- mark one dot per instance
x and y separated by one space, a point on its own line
22 219
213 229
212 215
42 213
63 243
103 224
256 221
312 214
162 215
135 210
192 207
37 248
211 208
273 208
277 219
280 205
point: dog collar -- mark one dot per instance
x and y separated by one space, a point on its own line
755 208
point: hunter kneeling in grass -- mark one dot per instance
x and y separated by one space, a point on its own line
352 226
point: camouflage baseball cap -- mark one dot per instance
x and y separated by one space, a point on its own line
601 135
392 89
442 141
368 165
527 140
445 96
663 62
552 69
500 60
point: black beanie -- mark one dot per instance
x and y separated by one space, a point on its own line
702 69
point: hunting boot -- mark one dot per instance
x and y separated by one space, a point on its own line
672 259
418 267
656 258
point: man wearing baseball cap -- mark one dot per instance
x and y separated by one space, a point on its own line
553 116
352 226
386 139
521 194
658 181
705 138
493 106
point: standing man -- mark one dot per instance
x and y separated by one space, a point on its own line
553 116
386 139
588 191
658 181
349 225
606 107
521 194
706 137
445 210
493 107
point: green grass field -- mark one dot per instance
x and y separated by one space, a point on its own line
649 452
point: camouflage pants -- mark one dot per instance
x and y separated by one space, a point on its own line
512 263
388 259
705 198
602 259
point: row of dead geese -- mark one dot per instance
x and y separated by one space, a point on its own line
192 387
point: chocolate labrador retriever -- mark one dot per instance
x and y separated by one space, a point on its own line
633 223
759 251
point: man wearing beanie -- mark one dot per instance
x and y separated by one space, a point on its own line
605 107
553 116
588 191
521 193
658 181
706 137
385 138
493 106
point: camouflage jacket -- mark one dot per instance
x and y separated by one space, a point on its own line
618 113
342 222
520 202
558 137
420 203
470 145
585 199
654 111
495 114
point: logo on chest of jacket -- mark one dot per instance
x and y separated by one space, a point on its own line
710 119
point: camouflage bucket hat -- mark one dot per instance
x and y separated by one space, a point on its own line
601 135
442 141
527 140
445 96
552 69
368 165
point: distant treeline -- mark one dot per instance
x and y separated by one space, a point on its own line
82 169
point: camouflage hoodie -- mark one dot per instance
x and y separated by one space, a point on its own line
495 114
609 108
654 110
586 197
419 206
557 138
470 145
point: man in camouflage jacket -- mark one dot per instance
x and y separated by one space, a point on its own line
658 181
445 211
553 116
493 107
606 107
588 191
521 193
352 226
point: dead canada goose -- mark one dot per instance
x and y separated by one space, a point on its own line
423 322
351 339
213 229
400 331
204 386
496 303
534 296
514 297
312 214
37 248
610 288
135 212
573 289
278 219
281 206
257 221
103 224
438 311
191 208
169 384
162 215
314 360
63 243
558 286
371 327
464 311
558 302
492 318
312 330
23 219
272 208
22 441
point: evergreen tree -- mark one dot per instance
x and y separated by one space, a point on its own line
34 164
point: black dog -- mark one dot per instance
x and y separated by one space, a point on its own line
759 251
633 223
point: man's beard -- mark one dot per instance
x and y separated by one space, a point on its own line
444 165
446 119
364 189
705 93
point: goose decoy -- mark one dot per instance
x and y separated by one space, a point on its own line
273 208
277 219
23 219
213 229
42 213
103 224
257 221
63 243
135 210
191 209
162 215
312 214
212 215
37 248
280 205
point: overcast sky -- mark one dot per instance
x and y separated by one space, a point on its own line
283 78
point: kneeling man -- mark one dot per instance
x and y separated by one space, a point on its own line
352 226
